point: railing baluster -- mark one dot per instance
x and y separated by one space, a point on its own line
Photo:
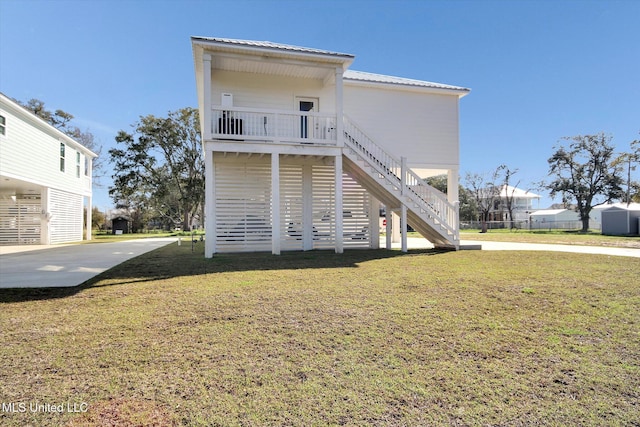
281 126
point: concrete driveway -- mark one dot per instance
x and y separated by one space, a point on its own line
68 265
419 243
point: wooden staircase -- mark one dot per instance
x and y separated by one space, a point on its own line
392 183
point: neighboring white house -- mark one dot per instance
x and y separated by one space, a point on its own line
522 202
300 151
45 179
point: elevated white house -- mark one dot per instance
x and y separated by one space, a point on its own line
45 178
300 151
522 202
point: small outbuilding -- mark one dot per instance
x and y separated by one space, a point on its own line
120 225
554 219
621 219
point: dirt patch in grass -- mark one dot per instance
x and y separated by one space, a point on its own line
362 338
123 413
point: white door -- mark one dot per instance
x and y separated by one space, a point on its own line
308 124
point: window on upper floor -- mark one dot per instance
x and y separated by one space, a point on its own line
86 165
3 125
62 148
77 164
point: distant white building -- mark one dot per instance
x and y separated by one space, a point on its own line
567 219
45 180
555 219
522 204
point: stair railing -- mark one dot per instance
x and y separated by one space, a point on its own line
430 199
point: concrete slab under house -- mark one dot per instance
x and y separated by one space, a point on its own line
301 152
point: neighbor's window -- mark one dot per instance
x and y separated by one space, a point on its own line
3 125
77 164
86 166
62 147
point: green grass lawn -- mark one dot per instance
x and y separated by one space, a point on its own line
362 338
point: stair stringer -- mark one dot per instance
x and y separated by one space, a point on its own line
390 194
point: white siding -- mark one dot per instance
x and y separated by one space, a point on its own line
270 92
291 206
323 202
356 204
307 197
242 205
66 220
30 153
420 126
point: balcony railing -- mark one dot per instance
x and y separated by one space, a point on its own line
250 124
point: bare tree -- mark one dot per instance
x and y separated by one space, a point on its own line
485 188
630 162
509 193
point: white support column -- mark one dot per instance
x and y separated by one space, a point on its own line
389 218
89 174
338 205
206 119
45 229
374 222
339 108
89 218
452 185
403 231
395 228
209 204
275 203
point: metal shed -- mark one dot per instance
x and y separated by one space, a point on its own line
621 220
120 225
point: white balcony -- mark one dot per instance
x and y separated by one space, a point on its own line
276 126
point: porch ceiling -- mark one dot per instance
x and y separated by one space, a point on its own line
270 58
280 67
12 186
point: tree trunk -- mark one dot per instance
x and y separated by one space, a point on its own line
186 226
585 225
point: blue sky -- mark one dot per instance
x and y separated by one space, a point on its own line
538 70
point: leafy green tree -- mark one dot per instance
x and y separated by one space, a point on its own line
159 169
97 219
468 209
585 172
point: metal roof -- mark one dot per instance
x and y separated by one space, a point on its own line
380 78
509 191
271 45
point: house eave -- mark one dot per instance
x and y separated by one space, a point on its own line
42 125
459 92
272 50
